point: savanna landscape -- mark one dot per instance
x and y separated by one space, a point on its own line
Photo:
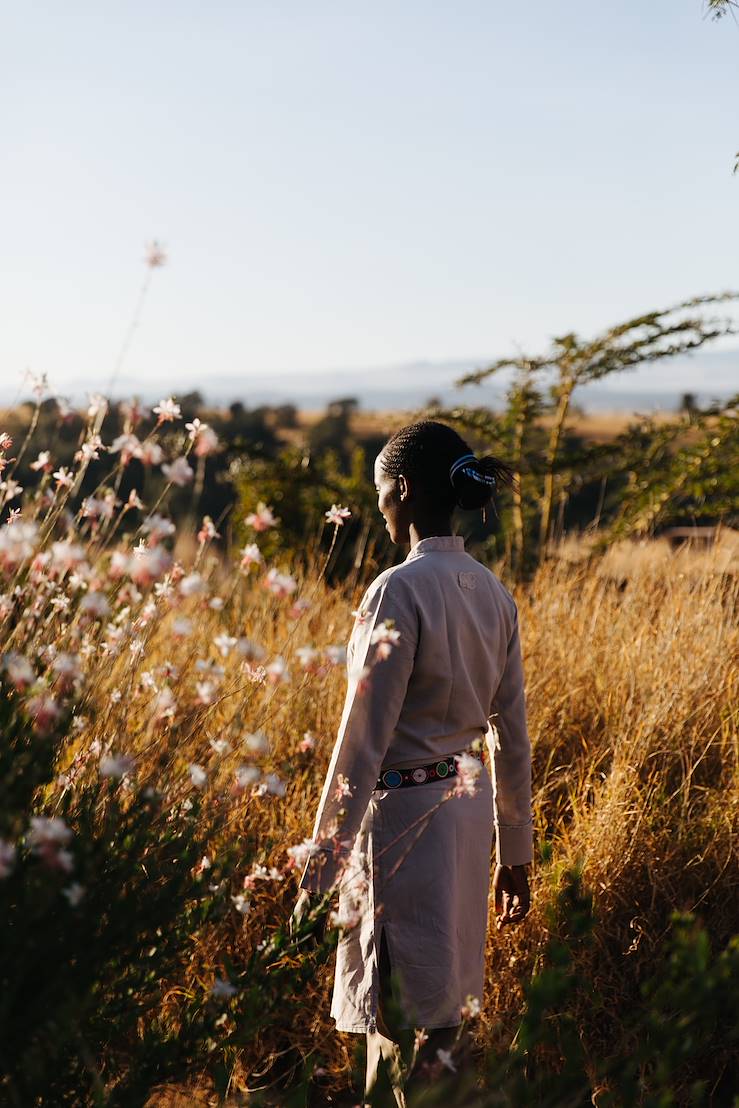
185 542
171 686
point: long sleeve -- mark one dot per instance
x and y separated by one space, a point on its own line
510 760
375 694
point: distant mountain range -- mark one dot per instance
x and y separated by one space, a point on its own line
711 374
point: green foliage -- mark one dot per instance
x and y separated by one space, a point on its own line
685 1031
652 472
686 1027
689 468
101 912
299 486
719 8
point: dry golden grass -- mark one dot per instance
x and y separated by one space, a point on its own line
632 692
592 426
633 559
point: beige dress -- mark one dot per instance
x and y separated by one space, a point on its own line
416 861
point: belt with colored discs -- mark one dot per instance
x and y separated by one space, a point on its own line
420 775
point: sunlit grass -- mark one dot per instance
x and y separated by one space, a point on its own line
222 680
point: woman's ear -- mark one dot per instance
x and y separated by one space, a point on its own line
403 489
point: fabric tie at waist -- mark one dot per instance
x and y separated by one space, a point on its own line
421 775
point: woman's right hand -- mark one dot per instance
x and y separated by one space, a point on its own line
512 895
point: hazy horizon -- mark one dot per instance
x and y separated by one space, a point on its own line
655 387
354 186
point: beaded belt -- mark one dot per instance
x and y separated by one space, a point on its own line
420 775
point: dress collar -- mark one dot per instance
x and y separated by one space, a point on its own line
436 542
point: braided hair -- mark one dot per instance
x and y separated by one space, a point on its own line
443 463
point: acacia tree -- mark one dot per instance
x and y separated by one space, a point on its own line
547 463
717 9
699 475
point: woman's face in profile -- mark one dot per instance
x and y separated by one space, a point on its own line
390 505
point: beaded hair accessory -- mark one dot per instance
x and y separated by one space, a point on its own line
467 465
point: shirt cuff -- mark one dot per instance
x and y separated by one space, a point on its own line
514 844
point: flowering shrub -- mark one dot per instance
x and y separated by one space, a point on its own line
127 768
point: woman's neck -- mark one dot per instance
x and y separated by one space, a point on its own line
426 529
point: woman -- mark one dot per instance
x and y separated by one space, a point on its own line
406 818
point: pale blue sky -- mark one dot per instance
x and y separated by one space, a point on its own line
348 184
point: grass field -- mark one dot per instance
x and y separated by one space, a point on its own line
216 685
592 426
632 698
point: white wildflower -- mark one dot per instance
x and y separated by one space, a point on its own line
445 1057
19 670
300 853
262 519
153 563
342 787
251 555
179 472
7 858
307 656
471 1008
44 710
157 527
74 893
280 584
11 488
386 637
127 445
167 410
96 604
156 256
223 989
246 776
48 831
210 668
198 776
219 746
67 555
469 769
257 742
225 643
67 666
64 477
273 785
90 449
43 461
116 766
346 918
97 405
150 453
205 691
191 584
277 671
165 705
337 515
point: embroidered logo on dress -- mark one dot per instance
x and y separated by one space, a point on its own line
468 580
